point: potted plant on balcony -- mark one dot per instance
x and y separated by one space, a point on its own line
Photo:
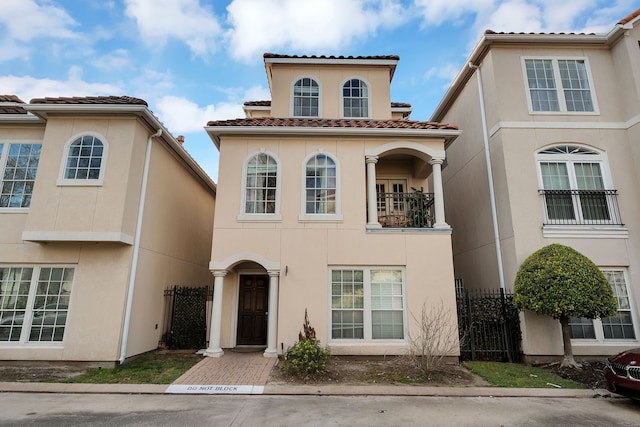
418 209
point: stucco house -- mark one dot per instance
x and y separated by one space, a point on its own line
329 200
101 208
549 154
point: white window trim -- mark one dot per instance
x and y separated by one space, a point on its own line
597 323
291 101
560 90
62 181
26 326
578 230
262 217
3 161
368 340
369 98
304 216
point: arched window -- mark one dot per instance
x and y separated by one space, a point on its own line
321 185
355 99
306 95
84 159
575 187
261 184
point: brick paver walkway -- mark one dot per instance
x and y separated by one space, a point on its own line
230 369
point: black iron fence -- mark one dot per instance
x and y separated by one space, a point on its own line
581 207
186 317
488 324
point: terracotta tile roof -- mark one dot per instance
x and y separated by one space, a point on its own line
8 107
258 103
538 34
629 18
124 100
400 105
330 123
276 55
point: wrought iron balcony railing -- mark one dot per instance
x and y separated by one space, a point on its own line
406 210
581 207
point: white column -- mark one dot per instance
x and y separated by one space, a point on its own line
272 325
372 197
214 349
438 196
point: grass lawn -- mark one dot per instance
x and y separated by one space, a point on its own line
517 375
150 368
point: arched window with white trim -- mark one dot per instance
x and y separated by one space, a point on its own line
306 98
355 98
321 185
84 162
261 185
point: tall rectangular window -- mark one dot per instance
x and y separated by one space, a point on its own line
19 164
618 327
545 77
367 304
34 302
261 184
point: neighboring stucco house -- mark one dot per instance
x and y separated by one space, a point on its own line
100 210
549 154
316 210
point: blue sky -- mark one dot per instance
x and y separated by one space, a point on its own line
199 60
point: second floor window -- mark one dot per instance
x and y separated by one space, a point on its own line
18 164
575 190
560 85
84 159
305 98
261 184
320 185
355 98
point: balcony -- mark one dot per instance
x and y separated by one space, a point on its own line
406 210
581 207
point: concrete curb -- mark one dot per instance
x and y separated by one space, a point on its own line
318 390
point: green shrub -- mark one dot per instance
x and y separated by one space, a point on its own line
306 357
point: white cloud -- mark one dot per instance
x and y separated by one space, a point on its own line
117 60
186 20
26 20
27 88
181 115
446 72
321 25
435 12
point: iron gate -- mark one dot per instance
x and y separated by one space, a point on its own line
186 317
488 324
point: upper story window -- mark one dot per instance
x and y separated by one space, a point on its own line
576 188
261 185
355 99
84 161
306 96
321 185
18 164
559 85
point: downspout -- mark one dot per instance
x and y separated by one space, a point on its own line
492 194
136 248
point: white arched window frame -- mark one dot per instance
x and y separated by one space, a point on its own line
576 185
84 161
320 199
355 98
261 183
305 97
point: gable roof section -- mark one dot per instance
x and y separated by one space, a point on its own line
491 38
121 106
343 127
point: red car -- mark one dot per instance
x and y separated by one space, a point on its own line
622 373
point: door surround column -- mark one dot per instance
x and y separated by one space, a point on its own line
372 197
438 193
272 319
214 349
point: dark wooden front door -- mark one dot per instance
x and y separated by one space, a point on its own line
252 310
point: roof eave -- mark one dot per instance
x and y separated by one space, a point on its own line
21 119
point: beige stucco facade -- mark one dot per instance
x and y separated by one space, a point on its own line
515 136
299 251
144 225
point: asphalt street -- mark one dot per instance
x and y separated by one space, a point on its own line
47 409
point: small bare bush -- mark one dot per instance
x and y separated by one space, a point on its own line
435 338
